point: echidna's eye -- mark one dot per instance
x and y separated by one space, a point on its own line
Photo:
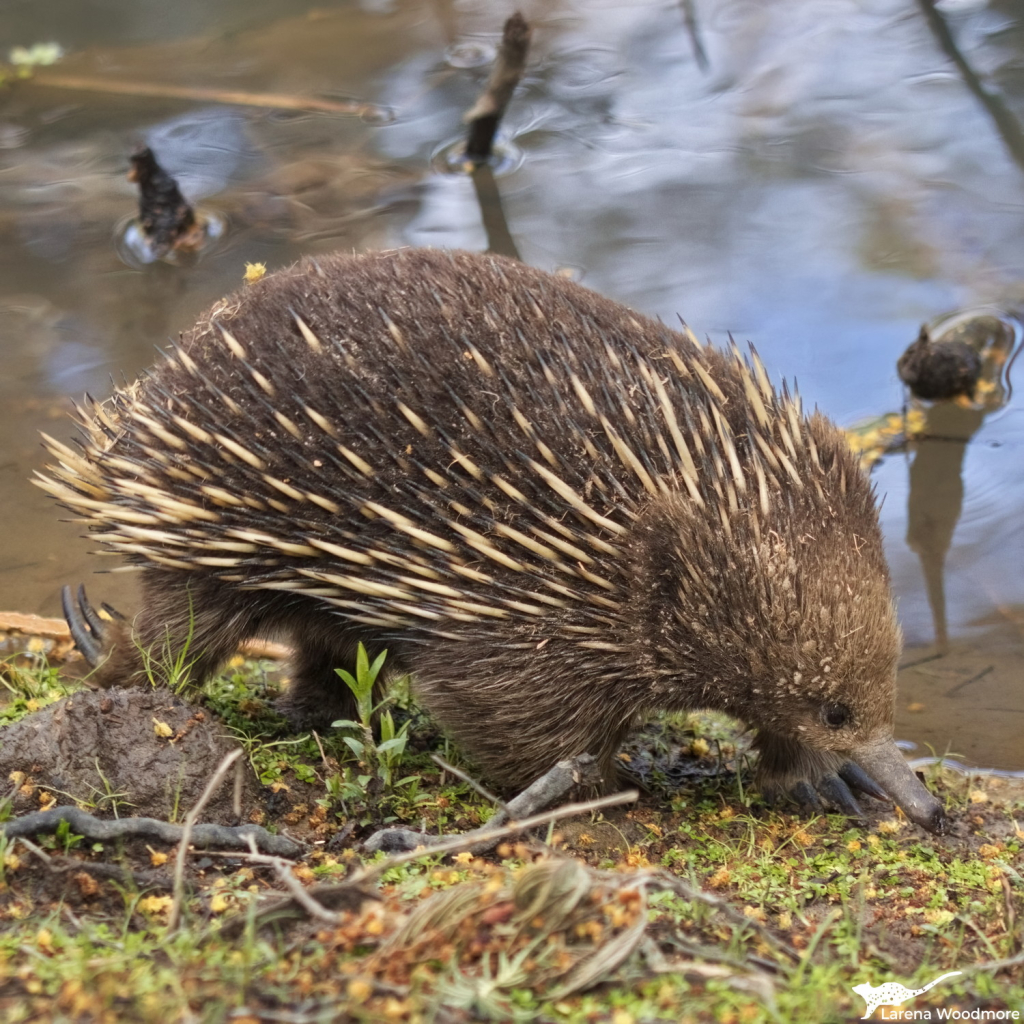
835 716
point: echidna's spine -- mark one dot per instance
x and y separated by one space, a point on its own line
226 461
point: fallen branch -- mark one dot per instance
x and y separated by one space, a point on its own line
300 895
552 786
485 115
206 836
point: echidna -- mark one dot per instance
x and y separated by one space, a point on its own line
557 514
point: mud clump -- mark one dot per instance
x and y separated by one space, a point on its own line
139 752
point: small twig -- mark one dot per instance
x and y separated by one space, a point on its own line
1011 913
236 795
469 781
921 661
41 854
282 869
204 95
344 893
485 836
484 116
995 965
190 820
320 747
60 865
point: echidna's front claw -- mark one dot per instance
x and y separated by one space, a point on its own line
860 782
804 794
88 628
837 794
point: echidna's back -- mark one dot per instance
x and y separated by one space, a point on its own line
422 437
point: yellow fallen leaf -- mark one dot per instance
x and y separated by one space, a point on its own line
155 905
220 902
359 991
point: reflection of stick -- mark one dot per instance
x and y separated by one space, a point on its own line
499 238
188 92
690 17
1007 125
508 68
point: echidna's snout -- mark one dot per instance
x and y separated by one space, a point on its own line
887 766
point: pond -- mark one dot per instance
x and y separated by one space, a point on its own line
819 177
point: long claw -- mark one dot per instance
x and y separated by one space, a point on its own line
803 793
860 782
837 793
113 612
79 629
96 624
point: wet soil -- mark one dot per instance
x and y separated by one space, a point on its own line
122 752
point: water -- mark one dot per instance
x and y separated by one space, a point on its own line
821 183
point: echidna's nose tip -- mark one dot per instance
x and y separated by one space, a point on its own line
887 766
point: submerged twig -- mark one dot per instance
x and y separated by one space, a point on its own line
484 116
230 97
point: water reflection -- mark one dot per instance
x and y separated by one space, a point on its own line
936 493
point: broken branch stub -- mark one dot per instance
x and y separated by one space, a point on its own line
485 115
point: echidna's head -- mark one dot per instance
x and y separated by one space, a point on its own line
785 621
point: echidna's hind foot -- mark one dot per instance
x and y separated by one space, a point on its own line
316 695
103 638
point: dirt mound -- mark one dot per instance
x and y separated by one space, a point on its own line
133 752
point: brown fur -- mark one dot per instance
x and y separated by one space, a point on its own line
445 392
